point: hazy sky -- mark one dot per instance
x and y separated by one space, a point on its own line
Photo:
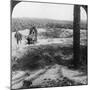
45 10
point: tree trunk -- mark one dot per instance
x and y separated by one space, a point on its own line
76 36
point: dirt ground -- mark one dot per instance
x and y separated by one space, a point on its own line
55 74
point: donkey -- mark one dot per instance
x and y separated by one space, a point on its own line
18 37
32 37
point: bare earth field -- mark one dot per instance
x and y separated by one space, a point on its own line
45 63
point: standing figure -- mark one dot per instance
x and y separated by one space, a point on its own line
32 37
18 37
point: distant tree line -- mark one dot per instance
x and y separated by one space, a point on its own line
25 23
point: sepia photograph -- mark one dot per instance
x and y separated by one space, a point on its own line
48 44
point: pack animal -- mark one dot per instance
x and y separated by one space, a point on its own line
32 37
